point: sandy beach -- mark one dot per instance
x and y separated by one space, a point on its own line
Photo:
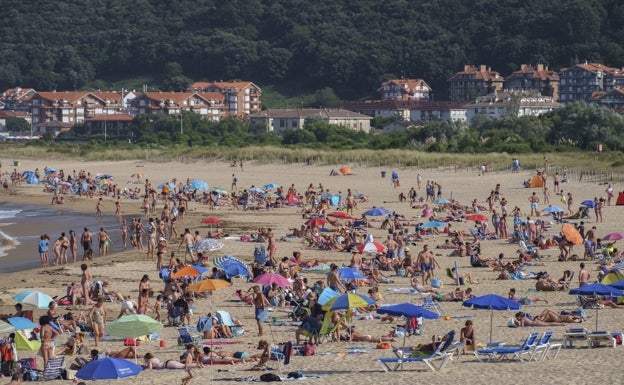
339 361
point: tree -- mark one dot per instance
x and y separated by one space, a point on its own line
17 125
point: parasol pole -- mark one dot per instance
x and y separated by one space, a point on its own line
491 322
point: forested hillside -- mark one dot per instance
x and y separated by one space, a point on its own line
349 46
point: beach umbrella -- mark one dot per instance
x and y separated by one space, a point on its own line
572 234
348 301
269 279
49 171
208 244
327 294
433 224
618 284
234 268
589 203
441 201
376 211
370 247
197 184
613 237
349 273
552 209
340 214
219 190
316 222
492 302
477 218
270 186
133 326
21 323
211 221
187 271
34 298
6 327
257 190
108 369
208 285
598 289
407 310
345 170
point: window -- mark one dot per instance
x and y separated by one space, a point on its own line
282 123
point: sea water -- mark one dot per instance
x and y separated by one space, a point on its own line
21 227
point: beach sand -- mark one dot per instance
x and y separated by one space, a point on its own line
343 361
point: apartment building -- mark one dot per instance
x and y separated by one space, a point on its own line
538 78
405 89
240 98
474 81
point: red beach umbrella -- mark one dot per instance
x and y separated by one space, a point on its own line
477 218
340 214
316 222
211 221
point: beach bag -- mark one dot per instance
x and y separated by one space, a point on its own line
270 377
260 255
436 283
308 349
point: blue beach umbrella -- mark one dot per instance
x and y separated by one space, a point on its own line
257 190
34 298
327 294
348 273
219 190
441 201
598 289
589 203
233 268
208 244
376 211
21 323
552 209
433 224
270 186
108 369
492 302
197 184
409 310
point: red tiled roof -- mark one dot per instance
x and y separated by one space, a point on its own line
409 84
63 95
177 97
481 72
13 114
591 67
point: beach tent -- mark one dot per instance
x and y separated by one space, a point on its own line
345 170
30 177
614 274
293 200
23 343
537 181
620 200
335 199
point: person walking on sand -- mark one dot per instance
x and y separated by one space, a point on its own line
73 245
97 316
85 280
260 302
188 364
234 183
583 276
118 208
270 237
188 241
534 201
427 264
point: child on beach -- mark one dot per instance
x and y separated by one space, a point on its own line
188 364
44 242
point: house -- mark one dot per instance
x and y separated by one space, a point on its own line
538 78
580 82
242 98
405 89
110 124
209 105
409 110
294 119
72 107
474 81
518 103
613 99
6 115
53 127
17 99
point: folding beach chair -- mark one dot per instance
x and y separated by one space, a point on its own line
184 337
500 353
54 368
225 319
393 364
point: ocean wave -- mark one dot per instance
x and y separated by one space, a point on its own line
4 214
7 242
